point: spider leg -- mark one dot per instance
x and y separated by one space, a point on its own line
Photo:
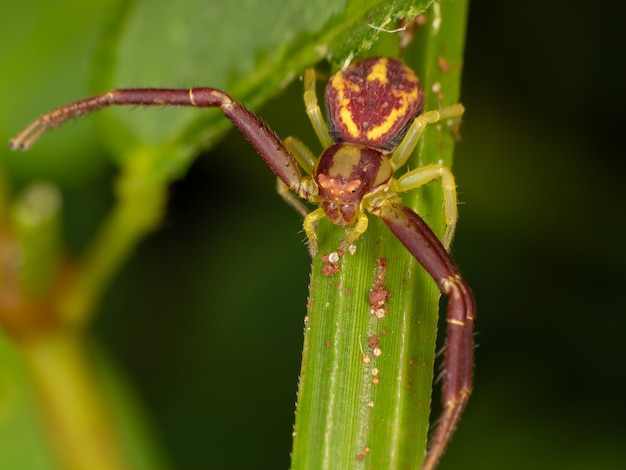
265 142
301 154
313 109
356 230
309 228
424 174
305 158
290 198
423 244
415 131
353 233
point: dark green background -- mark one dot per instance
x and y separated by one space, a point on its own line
541 237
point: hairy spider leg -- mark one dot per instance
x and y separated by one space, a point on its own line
263 140
310 230
424 245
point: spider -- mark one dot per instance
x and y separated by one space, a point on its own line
375 120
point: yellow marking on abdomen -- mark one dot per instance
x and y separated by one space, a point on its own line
339 84
379 72
393 115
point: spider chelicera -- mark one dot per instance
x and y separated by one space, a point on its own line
375 118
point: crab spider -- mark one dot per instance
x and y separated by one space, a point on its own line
375 118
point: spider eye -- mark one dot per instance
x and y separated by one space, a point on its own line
353 186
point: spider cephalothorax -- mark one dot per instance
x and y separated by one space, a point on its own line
374 108
345 174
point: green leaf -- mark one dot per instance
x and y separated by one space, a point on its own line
240 55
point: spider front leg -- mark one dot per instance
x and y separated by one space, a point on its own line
263 140
423 244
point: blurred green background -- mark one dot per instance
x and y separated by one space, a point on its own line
541 238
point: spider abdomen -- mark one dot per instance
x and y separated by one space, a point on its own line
373 102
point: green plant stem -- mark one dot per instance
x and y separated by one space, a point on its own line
75 411
52 346
48 318
37 223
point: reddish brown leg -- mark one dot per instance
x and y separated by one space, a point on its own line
264 141
420 240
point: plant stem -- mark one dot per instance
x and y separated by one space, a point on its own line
74 409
